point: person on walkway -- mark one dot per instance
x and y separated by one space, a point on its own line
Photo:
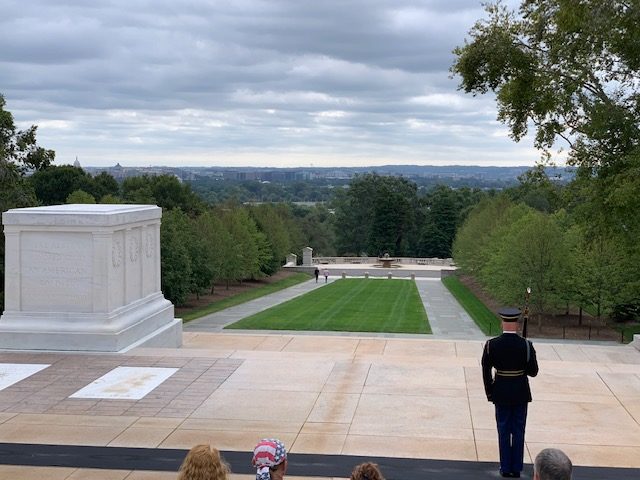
325 272
552 464
366 471
270 459
203 462
316 272
514 360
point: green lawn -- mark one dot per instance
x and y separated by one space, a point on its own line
245 296
348 305
484 318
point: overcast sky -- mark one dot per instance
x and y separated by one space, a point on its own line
246 82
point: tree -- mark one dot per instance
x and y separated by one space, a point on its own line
54 184
166 191
19 147
80 196
219 248
251 250
441 211
537 190
568 68
313 227
376 215
19 152
200 253
473 242
271 222
104 184
112 199
175 260
596 278
530 253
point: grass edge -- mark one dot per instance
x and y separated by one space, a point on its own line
243 297
484 318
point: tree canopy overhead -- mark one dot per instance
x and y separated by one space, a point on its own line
570 68
19 147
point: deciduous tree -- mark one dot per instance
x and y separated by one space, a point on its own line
175 259
19 152
570 69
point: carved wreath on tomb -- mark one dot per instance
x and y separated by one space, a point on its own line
116 253
149 245
134 249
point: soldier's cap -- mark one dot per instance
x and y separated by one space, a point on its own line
509 314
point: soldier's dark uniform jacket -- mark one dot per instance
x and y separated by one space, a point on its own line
514 359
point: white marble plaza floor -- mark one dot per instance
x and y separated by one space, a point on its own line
391 397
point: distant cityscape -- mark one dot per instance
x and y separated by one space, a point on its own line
282 175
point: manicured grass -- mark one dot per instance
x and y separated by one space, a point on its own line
484 318
348 305
246 296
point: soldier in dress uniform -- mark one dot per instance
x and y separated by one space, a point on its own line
507 362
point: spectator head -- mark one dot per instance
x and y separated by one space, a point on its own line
366 471
270 459
203 462
552 464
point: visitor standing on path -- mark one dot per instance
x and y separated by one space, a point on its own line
514 360
317 273
325 272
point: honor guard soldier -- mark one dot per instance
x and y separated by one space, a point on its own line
507 362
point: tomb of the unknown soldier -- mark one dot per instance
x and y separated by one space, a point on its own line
85 278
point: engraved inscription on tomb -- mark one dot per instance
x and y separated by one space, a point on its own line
57 271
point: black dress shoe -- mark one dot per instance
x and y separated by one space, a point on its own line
506 474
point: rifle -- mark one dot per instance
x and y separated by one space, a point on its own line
525 314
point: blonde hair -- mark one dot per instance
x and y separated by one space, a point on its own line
366 471
203 462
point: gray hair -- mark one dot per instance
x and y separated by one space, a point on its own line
552 464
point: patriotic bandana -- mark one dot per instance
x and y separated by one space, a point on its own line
268 453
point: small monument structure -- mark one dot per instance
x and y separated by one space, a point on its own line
85 278
307 256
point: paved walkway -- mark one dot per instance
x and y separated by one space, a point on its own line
446 317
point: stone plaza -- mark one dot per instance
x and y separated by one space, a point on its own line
405 398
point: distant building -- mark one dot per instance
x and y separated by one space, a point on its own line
118 172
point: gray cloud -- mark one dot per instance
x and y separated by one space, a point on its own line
248 82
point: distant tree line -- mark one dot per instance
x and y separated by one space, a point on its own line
215 190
